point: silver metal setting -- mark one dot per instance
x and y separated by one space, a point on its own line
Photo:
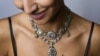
52 51
51 37
40 32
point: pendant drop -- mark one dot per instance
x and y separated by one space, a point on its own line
52 51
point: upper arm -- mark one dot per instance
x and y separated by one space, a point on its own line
4 40
95 42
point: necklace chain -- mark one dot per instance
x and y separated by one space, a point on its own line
51 37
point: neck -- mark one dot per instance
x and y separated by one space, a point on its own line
54 25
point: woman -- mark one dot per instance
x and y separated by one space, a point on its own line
48 28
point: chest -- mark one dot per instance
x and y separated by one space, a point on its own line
30 46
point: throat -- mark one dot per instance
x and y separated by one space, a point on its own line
53 26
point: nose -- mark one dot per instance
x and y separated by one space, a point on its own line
29 6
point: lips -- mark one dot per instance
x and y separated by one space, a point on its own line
38 16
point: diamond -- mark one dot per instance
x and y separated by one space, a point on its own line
40 32
51 35
52 51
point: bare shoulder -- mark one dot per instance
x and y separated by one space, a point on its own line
5 38
4 28
95 43
4 35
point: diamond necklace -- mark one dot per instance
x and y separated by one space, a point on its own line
51 37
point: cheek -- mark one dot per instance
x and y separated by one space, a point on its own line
45 2
18 3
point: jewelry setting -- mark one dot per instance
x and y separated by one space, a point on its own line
51 37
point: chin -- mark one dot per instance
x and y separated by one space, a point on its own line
41 22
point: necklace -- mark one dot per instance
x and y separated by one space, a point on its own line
51 37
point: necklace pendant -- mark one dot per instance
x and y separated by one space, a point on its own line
52 51
51 35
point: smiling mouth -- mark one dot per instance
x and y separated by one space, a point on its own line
39 15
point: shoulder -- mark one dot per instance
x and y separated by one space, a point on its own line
4 29
4 25
95 40
5 38
96 30
95 43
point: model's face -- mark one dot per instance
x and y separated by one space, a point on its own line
41 11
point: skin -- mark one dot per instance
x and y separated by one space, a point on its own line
27 45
